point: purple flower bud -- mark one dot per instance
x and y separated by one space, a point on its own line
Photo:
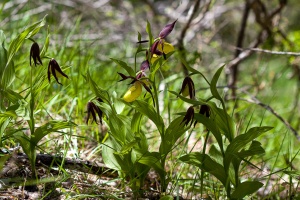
167 30
145 65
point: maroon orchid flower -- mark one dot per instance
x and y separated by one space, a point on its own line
35 54
92 111
52 68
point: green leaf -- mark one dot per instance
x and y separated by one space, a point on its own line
27 146
9 113
124 65
99 92
254 149
205 163
7 72
167 197
108 156
127 147
50 127
223 121
3 159
241 141
12 96
139 36
152 159
213 85
147 110
148 30
18 41
136 122
211 125
246 188
46 44
173 132
190 101
216 154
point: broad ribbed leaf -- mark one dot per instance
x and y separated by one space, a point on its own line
254 149
99 92
18 41
148 30
205 163
246 188
148 110
173 132
124 65
222 120
50 127
108 156
152 159
212 126
213 85
241 141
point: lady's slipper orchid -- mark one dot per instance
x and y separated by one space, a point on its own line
35 54
52 68
133 92
92 109
140 80
188 87
189 116
162 48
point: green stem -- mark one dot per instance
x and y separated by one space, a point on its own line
202 172
32 127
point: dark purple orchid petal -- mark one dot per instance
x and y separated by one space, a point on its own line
124 77
52 68
54 74
154 46
167 30
189 116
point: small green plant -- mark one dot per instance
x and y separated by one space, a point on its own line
13 105
126 149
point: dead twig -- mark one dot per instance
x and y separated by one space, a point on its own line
285 53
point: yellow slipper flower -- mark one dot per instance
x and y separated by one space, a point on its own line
133 92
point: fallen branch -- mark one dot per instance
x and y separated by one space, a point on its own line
80 165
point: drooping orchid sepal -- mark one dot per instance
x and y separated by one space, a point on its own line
53 66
